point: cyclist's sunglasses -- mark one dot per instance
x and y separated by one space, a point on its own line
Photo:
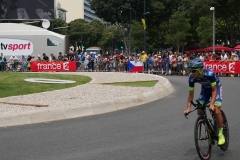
193 70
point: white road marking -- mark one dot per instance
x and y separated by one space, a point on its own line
45 80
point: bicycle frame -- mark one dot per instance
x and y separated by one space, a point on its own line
211 127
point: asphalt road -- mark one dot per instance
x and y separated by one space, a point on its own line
154 131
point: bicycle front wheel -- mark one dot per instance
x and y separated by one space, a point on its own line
202 138
224 147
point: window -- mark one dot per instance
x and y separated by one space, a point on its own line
52 42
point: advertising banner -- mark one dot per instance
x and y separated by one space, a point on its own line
17 47
224 67
56 66
27 9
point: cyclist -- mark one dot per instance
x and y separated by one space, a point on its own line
211 88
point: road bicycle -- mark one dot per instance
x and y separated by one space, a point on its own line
206 131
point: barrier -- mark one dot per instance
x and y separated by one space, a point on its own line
56 66
223 67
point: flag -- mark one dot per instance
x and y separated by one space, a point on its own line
135 66
144 23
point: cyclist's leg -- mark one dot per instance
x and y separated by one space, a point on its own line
218 104
218 115
203 97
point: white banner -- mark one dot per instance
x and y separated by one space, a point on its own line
17 47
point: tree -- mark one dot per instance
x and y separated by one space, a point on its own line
205 31
178 29
137 34
79 32
97 28
110 37
59 23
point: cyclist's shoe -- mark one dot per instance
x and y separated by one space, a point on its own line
221 140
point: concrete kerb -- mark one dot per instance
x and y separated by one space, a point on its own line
160 90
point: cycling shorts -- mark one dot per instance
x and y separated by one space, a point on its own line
205 96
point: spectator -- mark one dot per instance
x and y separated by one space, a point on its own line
1 63
150 62
174 65
223 56
60 56
209 56
160 64
155 63
144 61
45 57
13 62
51 57
234 57
166 62
39 58
179 63
33 59
214 57
3 57
125 63
65 58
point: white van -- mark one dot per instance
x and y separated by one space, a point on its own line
98 50
22 39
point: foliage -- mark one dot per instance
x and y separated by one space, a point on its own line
110 38
204 33
170 23
137 33
178 29
59 23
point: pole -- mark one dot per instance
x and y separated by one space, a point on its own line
130 21
213 29
144 36
130 38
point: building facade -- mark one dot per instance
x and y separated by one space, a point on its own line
61 13
77 9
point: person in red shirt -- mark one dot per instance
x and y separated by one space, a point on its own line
209 57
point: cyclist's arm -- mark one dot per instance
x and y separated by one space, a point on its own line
190 98
191 92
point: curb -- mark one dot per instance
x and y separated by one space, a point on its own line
160 90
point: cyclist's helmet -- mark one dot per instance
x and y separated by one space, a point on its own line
195 63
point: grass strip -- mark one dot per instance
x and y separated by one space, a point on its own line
13 84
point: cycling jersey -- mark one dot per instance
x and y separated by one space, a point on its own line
208 80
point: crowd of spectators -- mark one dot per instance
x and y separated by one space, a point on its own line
165 62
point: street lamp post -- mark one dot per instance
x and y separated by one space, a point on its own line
213 32
130 21
144 37
144 34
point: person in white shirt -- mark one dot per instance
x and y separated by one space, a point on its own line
13 58
223 56
201 56
14 61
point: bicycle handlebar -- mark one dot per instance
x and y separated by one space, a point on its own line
198 106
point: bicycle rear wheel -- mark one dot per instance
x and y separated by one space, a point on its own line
224 147
202 137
